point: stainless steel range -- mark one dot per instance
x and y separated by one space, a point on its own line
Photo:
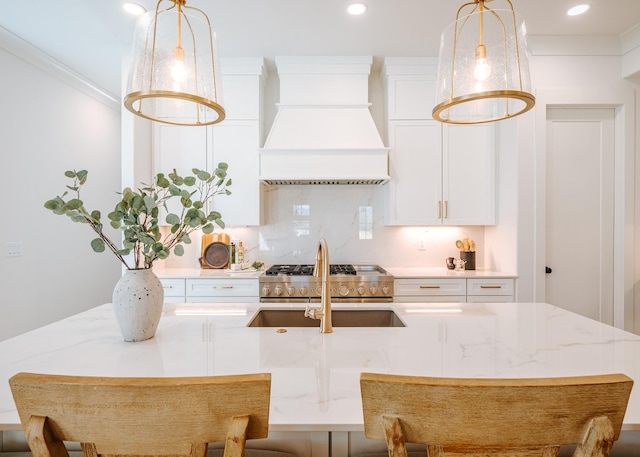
348 283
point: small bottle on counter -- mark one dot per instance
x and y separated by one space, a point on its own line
232 253
240 254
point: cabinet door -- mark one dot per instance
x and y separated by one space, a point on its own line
469 174
236 143
415 164
182 148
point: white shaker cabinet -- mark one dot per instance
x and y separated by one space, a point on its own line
235 141
441 174
454 290
222 290
468 170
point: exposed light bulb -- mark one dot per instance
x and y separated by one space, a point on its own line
482 70
178 70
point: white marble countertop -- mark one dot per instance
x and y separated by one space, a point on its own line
443 272
315 377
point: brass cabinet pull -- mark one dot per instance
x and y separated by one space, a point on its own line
439 209
167 287
222 287
491 287
429 287
446 209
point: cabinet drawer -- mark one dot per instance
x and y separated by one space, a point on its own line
497 286
222 287
173 287
430 286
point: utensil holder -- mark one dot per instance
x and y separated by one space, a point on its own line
470 258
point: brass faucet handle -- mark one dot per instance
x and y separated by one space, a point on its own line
313 313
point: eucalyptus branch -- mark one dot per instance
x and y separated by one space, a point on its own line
137 213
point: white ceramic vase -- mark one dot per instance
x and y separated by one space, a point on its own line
137 303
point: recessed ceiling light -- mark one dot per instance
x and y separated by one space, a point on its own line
578 9
134 8
356 8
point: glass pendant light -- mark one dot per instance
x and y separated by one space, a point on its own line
483 68
174 77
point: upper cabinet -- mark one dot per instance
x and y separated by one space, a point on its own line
235 141
441 174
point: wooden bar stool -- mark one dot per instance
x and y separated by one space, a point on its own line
141 416
495 417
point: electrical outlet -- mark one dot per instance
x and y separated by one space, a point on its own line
422 244
14 249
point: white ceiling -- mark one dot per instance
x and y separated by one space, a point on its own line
89 36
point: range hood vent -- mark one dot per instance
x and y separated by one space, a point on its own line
323 132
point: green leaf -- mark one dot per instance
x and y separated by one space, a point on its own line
207 228
149 202
97 245
203 175
74 203
178 250
54 204
82 176
189 180
172 219
95 215
70 174
162 181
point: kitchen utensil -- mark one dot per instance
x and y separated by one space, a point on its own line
472 246
459 245
459 264
216 255
469 258
465 244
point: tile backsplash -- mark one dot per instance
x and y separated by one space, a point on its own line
351 219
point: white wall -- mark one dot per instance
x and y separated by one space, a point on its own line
46 127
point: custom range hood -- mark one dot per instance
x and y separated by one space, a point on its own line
323 132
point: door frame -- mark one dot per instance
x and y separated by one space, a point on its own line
622 101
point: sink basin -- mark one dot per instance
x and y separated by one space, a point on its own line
339 317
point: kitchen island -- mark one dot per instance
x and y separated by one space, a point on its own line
315 397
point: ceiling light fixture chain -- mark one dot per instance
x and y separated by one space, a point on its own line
172 79
483 72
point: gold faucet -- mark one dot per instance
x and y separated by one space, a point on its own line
321 269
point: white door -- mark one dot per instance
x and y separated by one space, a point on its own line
579 211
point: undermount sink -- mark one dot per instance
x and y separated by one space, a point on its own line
339 317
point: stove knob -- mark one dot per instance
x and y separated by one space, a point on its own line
373 289
343 290
361 290
303 290
278 290
266 291
385 289
291 290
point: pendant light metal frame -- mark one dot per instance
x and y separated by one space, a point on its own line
147 84
442 111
